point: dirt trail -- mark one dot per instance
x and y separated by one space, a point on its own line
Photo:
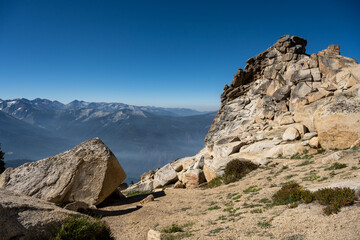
242 210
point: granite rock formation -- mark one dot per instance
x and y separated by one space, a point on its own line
283 103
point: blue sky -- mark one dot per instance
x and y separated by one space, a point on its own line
160 53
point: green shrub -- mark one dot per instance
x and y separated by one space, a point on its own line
237 169
214 183
83 228
307 196
335 198
173 229
336 166
332 198
252 189
319 151
214 207
289 193
307 162
264 224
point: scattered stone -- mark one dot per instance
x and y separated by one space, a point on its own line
314 142
225 150
333 157
148 199
146 186
308 136
286 120
179 184
153 235
290 150
264 162
291 134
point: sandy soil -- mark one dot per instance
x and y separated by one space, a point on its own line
227 212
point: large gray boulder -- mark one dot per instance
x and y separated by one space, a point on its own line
139 187
28 218
88 173
164 176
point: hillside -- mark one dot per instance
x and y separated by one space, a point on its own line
297 117
237 211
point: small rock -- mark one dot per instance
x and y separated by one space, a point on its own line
179 184
305 143
153 235
301 128
308 136
149 198
285 120
293 149
291 134
260 137
332 157
264 162
314 142
139 187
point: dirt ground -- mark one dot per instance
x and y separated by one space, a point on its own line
243 210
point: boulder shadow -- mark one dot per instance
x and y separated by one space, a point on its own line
116 200
109 213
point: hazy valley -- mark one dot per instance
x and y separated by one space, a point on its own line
142 138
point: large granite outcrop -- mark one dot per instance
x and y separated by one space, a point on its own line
28 218
285 102
283 82
88 173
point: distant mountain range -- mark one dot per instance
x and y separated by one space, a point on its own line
142 137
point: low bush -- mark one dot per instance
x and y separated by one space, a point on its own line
335 198
173 229
336 166
237 169
289 193
83 228
214 183
332 198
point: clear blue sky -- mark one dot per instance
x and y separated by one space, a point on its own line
164 53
